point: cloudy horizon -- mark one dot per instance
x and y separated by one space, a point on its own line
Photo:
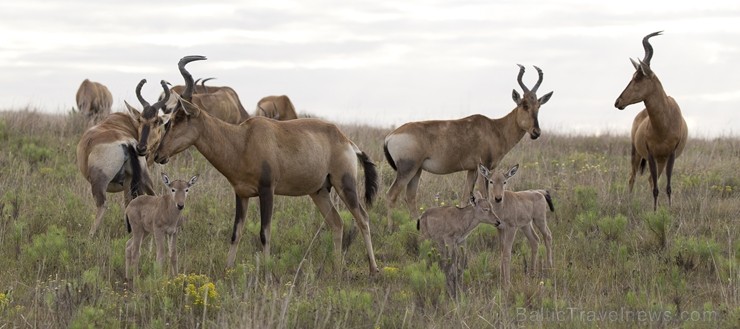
383 63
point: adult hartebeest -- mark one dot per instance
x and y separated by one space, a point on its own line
263 157
220 101
276 107
107 159
94 100
444 147
659 132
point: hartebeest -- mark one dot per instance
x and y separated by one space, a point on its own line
444 147
108 160
276 107
220 101
518 210
263 157
448 227
659 132
159 215
94 100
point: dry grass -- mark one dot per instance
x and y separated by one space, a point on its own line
617 263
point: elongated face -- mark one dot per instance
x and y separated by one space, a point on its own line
183 130
496 182
638 88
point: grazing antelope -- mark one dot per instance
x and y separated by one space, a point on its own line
448 227
94 100
107 158
159 215
263 157
518 210
444 147
659 132
276 107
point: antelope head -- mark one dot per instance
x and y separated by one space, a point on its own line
528 105
643 80
179 189
496 182
148 121
182 131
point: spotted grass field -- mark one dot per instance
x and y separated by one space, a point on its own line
616 262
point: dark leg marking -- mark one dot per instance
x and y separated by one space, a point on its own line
349 188
653 178
265 194
669 173
240 212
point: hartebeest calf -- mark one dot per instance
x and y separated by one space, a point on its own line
518 210
448 227
107 158
276 107
659 132
444 147
94 100
159 215
263 157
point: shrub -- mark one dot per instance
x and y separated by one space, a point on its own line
659 222
613 227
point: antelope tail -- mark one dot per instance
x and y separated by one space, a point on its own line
371 177
388 157
133 158
548 198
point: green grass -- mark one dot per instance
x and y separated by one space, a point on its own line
617 263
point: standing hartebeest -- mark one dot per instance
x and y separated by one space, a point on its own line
263 157
159 215
107 159
518 210
444 147
94 100
659 132
276 107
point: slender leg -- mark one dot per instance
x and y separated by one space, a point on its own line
240 214
669 174
411 190
541 223
635 161
160 242
653 178
323 202
173 253
98 192
266 203
407 169
467 191
534 242
347 191
506 245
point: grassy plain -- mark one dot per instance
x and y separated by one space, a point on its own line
617 263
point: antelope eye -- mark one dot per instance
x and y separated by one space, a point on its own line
186 190
173 190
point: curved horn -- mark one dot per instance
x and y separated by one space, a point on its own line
189 84
519 78
539 80
143 102
203 83
164 99
648 47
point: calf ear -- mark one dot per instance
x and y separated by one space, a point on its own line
192 180
484 171
512 171
166 179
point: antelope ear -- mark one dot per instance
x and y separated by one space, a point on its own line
190 109
545 98
635 64
515 96
645 69
166 179
484 171
132 110
512 171
477 197
192 180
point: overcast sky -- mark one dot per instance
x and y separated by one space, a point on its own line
383 62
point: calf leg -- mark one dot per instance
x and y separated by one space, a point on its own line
160 242
534 242
507 241
541 223
173 253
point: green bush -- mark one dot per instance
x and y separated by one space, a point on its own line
659 223
613 227
692 253
50 250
